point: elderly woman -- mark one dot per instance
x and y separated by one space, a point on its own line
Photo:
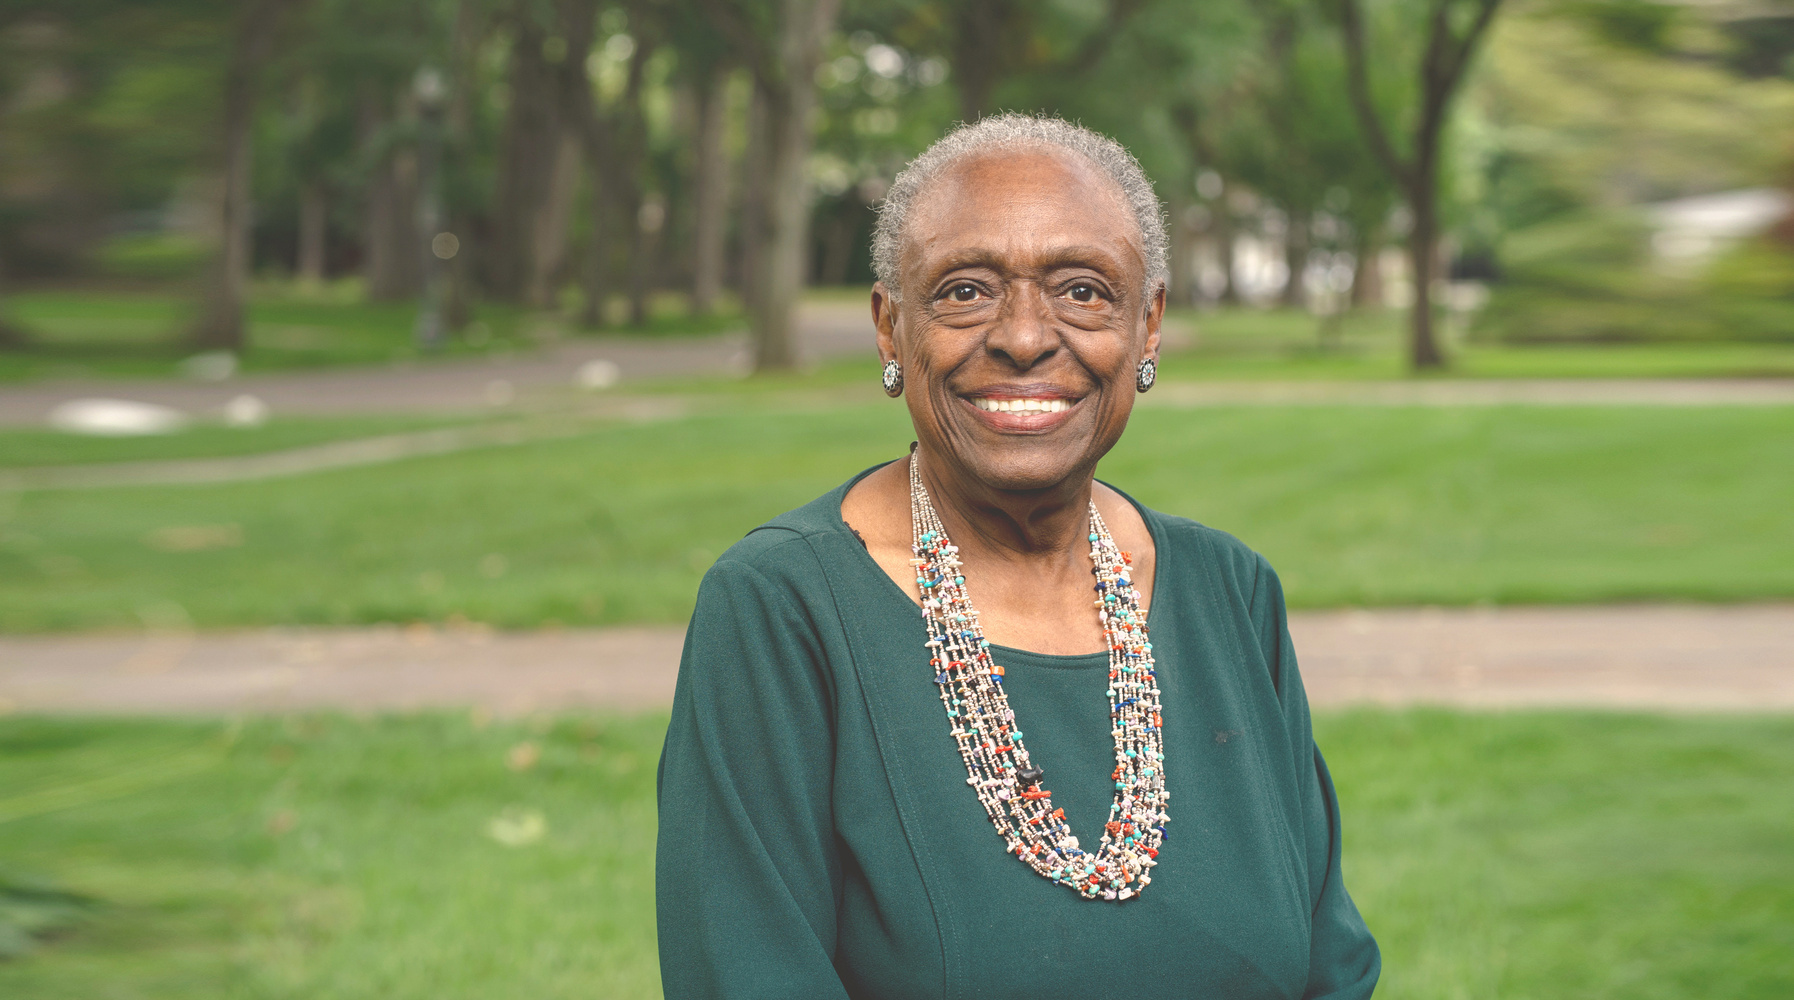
922 743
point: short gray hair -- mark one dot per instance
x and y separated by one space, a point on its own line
1010 131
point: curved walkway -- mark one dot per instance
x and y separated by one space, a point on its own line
1656 657
827 328
454 385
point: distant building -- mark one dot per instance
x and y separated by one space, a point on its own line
1689 232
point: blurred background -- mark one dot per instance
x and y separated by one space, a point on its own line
378 379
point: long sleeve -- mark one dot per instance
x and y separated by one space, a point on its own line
747 874
1344 962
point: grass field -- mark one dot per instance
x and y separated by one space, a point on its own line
1531 854
1286 344
35 447
111 332
1354 505
131 332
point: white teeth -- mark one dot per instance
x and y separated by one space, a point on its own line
1024 407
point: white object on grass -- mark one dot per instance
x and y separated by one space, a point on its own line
210 366
116 418
246 411
599 373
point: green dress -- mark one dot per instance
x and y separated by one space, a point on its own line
817 837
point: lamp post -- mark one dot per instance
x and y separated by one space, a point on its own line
436 246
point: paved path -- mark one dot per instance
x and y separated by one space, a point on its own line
1674 657
825 329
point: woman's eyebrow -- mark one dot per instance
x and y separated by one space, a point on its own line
1053 258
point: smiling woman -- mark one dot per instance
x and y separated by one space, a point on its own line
847 732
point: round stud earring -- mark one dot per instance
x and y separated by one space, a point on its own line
893 378
1148 374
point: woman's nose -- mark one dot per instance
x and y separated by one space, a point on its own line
1024 332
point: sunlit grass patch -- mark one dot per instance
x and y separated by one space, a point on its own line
1543 854
1353 505
32 447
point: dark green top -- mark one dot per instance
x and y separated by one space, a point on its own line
818 838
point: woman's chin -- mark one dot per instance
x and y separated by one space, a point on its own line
1025 465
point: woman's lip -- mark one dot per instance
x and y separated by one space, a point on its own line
1024 393
1013 423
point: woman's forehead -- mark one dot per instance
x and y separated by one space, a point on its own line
1022 203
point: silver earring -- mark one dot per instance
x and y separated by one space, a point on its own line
1148 374
893 378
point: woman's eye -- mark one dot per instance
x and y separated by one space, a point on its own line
963 292
1082 293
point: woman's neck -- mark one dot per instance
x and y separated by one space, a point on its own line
1043 528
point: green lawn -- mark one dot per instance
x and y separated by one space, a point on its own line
1527 854
1286 344
1354 505
112 332
41 447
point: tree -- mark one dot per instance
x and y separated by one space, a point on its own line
782 49
614 137
1454 28
709 165
532 161
220 325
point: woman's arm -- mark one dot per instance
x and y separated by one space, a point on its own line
746 874
1343 960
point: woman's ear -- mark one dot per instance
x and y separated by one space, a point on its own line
884 321
1155 317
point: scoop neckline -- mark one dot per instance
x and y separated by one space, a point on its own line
1051 661
1006 655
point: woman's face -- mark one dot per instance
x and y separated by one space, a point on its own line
1022 322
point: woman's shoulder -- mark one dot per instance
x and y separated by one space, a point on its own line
1186 544
784 546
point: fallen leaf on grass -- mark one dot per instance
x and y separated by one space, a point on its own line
517 827
523 756
195 537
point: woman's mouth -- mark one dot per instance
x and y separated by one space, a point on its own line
1021 414
1026 407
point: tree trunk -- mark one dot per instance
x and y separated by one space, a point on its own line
1367 271
650 219
981 40
1182 286
1225 234
1295 260
1423 347
781 258
804 25
391 262
1450 45
11 337
711 177
596 286
527 156
221 325
313 221
548 234
755 171
836 236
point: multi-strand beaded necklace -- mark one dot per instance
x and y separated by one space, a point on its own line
983 725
